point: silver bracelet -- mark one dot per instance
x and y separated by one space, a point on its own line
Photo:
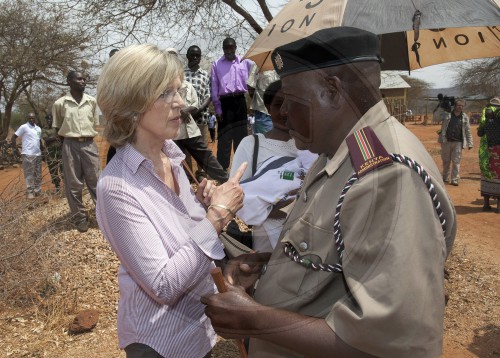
222 207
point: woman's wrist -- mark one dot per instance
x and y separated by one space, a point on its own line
218 217
224 207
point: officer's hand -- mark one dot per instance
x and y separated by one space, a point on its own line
219 117
231 313
246 269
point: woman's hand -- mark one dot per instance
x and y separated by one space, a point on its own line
205 191
226 200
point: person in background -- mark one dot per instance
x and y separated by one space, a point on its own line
276 142
454 136
351 276
31 136
76 117
111 149
53 147
489 153
257 83
442 111
200 79
165 235
229 75
212 122
251 123
189 138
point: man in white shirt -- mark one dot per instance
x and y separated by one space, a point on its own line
31 136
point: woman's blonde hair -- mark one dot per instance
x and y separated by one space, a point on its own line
129 84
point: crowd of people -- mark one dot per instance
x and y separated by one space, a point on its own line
327 178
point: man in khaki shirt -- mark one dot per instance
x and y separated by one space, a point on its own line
358 271
76 117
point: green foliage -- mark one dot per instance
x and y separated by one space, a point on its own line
17 119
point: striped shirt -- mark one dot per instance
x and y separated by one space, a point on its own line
165 245
200 80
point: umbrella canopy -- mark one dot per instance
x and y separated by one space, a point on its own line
413 33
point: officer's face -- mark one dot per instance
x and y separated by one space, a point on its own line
315 118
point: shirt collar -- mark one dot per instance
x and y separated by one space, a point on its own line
133 159
199 70
236 60
69 97
375 115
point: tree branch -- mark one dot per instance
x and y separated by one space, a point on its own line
245 14
265 10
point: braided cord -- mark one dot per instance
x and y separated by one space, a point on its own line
292 253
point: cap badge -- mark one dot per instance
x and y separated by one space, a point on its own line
279 61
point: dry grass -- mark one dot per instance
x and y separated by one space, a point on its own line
49 271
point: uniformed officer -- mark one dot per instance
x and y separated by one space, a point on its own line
358 271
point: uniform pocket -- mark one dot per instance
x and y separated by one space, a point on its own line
314 243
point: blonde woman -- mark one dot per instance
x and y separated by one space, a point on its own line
165 235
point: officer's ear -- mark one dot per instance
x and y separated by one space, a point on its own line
334 89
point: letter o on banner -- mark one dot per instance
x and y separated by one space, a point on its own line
461 40
285 28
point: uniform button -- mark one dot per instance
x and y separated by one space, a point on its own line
303 246
264 269
304 197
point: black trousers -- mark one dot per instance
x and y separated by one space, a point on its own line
212 134
232 128
198 149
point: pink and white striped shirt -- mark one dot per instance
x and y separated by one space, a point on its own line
166 247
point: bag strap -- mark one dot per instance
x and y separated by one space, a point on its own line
255 153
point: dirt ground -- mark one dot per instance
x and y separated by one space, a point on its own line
472 321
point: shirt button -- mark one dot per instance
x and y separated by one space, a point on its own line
304 197
303 246
264 269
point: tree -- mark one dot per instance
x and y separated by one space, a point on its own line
416 94
479 77
179 23
37 45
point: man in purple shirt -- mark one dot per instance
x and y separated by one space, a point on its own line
229 85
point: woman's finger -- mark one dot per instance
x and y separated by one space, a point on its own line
239 173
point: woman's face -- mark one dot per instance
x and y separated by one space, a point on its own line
162 120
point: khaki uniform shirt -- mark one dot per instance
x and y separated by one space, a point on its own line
190 129
74 119
389 301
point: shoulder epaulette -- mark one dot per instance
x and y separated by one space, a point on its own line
366 151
